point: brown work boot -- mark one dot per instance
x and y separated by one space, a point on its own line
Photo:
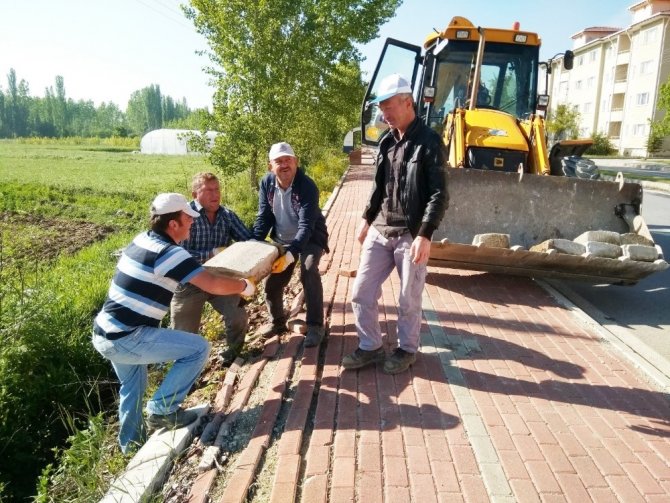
361 358
271 329
399 361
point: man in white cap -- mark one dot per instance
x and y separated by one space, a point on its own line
127 330
407 203
288 209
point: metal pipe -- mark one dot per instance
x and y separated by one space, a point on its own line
478 69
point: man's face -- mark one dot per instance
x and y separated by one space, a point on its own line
284 168
208 195
398 111
181 227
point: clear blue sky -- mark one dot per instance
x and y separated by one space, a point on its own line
106 49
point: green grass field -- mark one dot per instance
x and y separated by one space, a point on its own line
66 207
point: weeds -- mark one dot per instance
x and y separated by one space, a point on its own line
48 189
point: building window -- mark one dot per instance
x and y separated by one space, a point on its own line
587 108
649 36
642 98
639 129
580 60
578 84
646 67
590 82
592 56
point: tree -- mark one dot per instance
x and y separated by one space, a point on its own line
563 123
289 70
16 104
145 110
660 128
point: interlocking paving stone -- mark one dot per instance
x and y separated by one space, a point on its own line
512 398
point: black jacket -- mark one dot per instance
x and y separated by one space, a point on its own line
305 201
423 182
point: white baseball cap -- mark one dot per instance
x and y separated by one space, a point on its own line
170 202
280 149
390 86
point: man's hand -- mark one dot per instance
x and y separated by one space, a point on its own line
363 231
217 250
420 250
249 288
282 263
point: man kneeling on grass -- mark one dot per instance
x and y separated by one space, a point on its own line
127 331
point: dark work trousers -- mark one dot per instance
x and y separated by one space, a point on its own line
311 283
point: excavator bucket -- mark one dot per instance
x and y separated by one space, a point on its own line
532 209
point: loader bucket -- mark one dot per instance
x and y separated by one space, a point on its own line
532 209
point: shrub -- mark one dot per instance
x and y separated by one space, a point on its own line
47 362
601 145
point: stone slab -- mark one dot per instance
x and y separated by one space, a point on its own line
602 249
630 238
244 259
149 467
599 236
491 240
560 246
640 252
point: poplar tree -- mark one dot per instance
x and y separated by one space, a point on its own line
284 70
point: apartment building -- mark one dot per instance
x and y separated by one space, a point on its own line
616 77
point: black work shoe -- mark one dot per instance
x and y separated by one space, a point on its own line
314 335
228 356
361 358
176 419
271 329
399 361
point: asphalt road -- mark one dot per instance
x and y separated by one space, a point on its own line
641 310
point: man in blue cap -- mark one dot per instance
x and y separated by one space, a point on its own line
407 203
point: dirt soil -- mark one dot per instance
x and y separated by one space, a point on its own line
43 239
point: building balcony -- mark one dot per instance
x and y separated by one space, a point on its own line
616 115
620 86
623 57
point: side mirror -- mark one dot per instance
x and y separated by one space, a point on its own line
542 101
568 60
367 113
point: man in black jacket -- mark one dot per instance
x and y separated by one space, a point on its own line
289 206
407 203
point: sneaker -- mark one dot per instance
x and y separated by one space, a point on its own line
361 358
399 361
176 419
270 329
314 335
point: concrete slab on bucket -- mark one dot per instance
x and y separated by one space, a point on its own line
245 259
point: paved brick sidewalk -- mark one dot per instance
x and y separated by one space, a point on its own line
511 398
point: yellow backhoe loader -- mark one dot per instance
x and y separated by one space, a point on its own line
516 207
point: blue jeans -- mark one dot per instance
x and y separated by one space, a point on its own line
378 258
311 284
130 356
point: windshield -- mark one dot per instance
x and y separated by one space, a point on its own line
508 79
